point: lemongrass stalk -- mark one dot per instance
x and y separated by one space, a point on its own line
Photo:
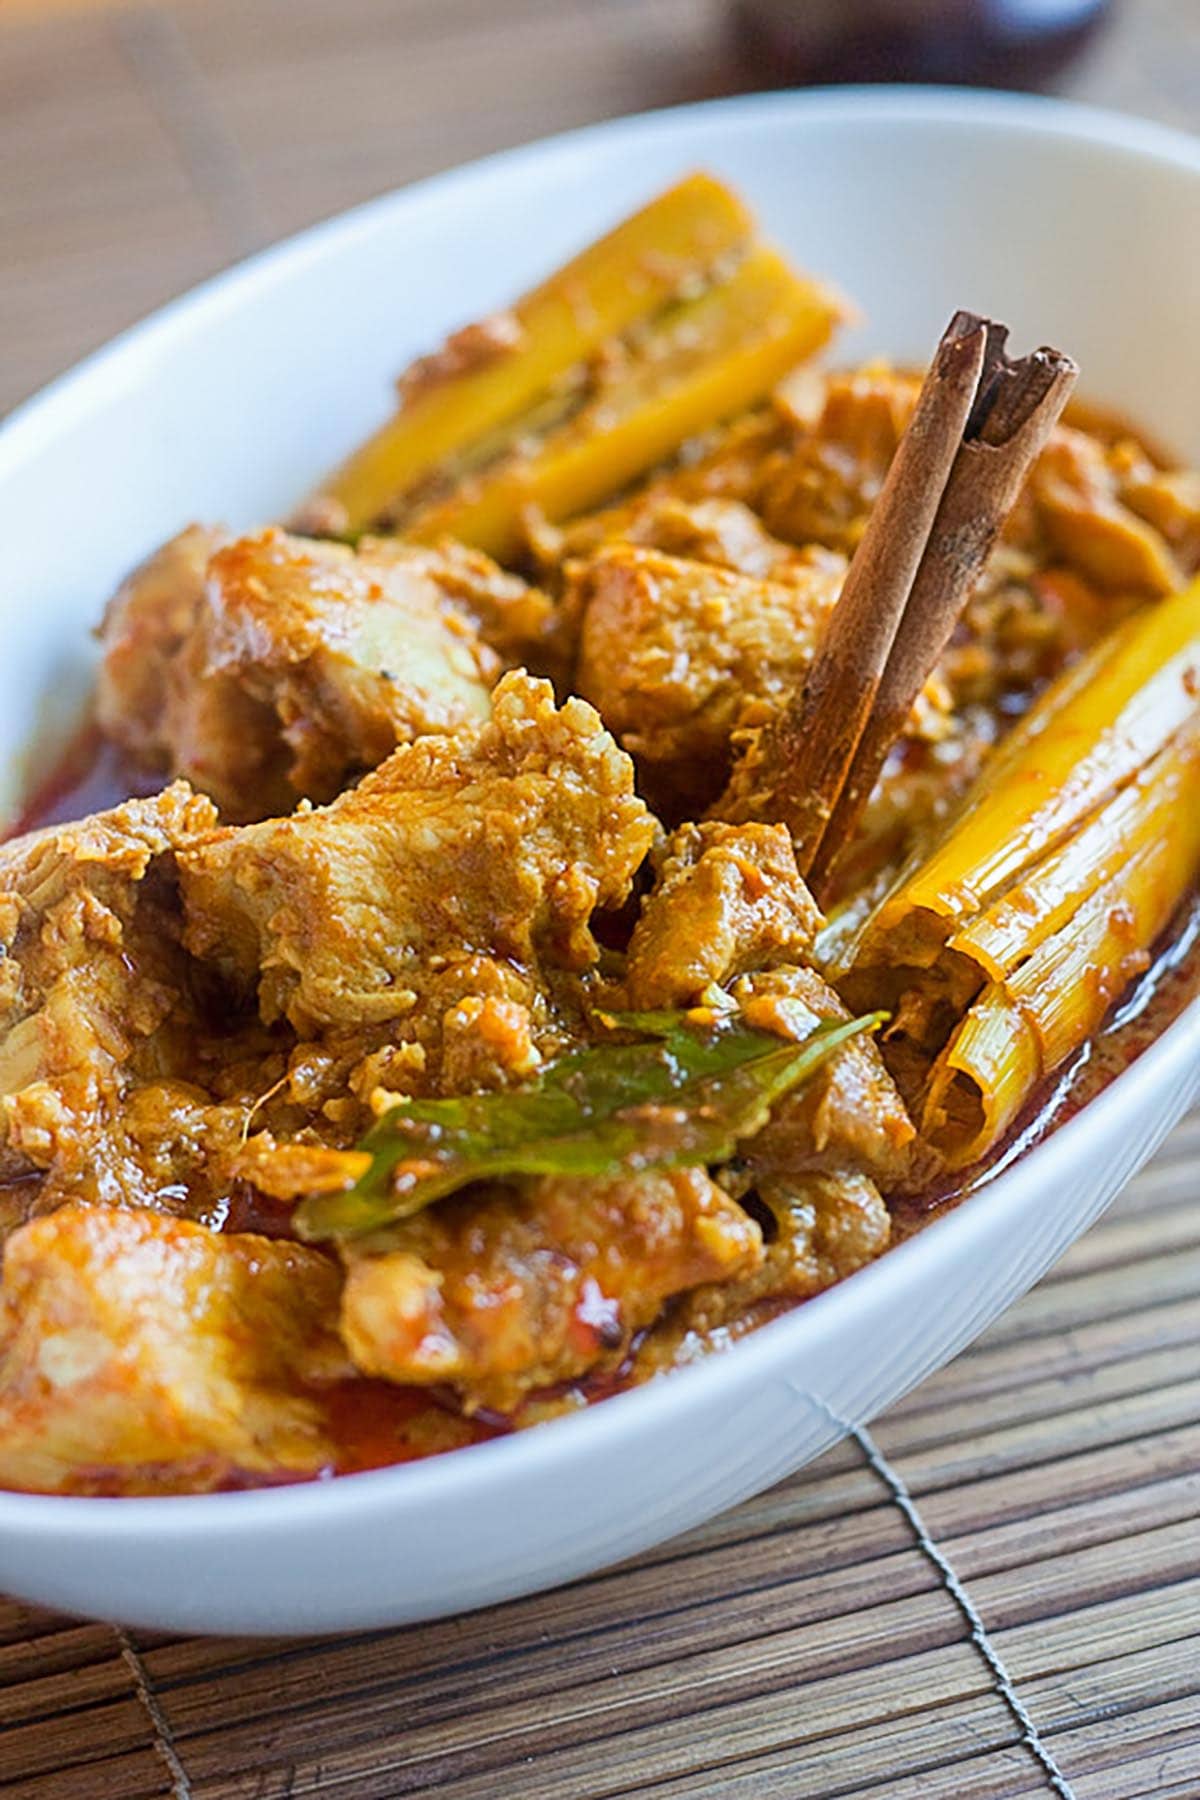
1049 895
624 277
1084 948
1087 737
1069 983
710 358
982 1079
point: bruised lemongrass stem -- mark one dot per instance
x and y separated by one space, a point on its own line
494 371
1143 852
1085 739
706 360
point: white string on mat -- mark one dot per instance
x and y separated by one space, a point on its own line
164 1742
1030 1735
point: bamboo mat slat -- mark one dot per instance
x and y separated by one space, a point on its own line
810 1644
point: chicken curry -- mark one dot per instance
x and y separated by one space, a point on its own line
659 820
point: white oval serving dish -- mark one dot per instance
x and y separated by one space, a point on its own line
1076 227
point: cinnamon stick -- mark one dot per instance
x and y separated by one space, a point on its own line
1007 430
815 739
978 423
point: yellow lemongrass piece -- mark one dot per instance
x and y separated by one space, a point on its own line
622 278
981 1080
1051 893
1026 1026
1068 984
1081 742
711 358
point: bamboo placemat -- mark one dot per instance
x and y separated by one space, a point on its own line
994 1593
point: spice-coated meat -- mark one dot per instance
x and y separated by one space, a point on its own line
498 841
499 1292
143 1353
287 667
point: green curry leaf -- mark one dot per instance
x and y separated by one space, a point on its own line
681 1095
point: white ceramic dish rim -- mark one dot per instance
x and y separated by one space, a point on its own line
943 1243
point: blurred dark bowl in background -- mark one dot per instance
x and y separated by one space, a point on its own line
994 43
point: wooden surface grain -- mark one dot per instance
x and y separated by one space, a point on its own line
996 1592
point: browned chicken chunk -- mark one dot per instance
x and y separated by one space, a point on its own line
729 907
707 529
500 841
727 899
1168 499
142 1352
499 1293
819 487
678 655
94 994
291 666
850 1115
823 1226
1077 495
145 626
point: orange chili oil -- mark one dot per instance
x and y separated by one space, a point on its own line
374 1424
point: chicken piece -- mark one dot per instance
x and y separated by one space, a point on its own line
94 992
1168 499
819 1229
729 907
727 898
499 842
502 1291
478 1023
812 1172
1076 496
519 622
819 487
297 664
143 1353
309 663
826 1226
850 1116
677 656
708 530
145 626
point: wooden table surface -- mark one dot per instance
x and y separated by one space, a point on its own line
997 1591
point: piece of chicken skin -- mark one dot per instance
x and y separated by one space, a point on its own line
498 842
678 656
95 995
140 1353
301 664
500 1292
